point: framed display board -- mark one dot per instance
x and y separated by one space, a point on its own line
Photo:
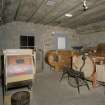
61 43
19 65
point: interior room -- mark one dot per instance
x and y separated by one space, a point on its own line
52 52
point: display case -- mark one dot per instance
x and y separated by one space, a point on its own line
19 67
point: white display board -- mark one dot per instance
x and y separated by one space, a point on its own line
61 43
19 65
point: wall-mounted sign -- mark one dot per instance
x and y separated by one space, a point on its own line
61 43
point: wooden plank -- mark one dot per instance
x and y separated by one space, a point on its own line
17 10
29 18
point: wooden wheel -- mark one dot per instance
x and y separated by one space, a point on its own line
72 82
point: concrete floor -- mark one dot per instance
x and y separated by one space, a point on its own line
48 90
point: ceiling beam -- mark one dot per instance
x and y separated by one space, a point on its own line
35 11
99 18
3 11
76 13
75 10
89 13
17 9
63 13
50 11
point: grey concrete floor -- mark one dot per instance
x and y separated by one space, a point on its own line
48 90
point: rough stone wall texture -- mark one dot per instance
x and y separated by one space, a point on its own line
44 35
92 39
92 34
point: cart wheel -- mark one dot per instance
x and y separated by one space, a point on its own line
20 98
72 82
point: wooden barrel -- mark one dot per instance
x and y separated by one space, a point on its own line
20 98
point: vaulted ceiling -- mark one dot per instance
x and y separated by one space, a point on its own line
52 12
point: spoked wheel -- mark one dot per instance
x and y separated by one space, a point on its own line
72 82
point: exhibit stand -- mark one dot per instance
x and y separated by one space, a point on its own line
18 71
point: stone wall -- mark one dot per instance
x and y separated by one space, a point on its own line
92 39
92 34
44 36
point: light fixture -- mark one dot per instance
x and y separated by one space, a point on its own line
53 32
85 7
51 2
68 15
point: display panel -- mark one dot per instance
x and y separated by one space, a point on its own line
61 43
19 65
